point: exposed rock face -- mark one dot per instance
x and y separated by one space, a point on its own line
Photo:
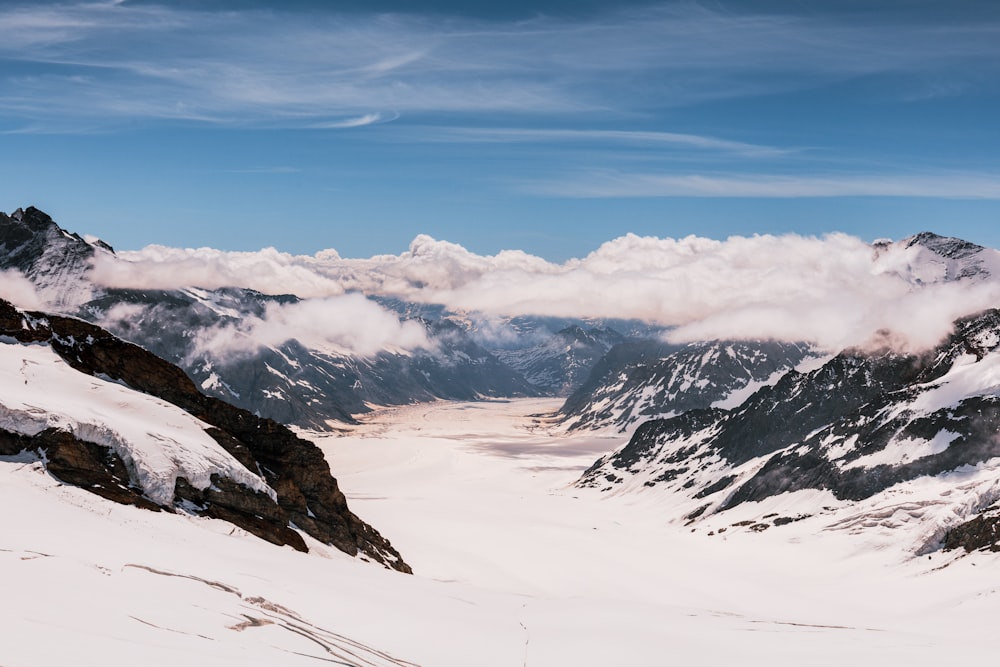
84 464
307 494
561 362
857 426
53 259
290 382
638 381
980 533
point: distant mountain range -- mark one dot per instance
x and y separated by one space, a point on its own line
916 436
291 382
642 380
113 419
862 425
778 427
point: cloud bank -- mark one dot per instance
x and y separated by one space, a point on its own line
20 291
348 325
345 325
835 291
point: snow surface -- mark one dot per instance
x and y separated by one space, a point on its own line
158 441
514 566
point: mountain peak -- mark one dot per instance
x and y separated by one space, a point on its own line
945 246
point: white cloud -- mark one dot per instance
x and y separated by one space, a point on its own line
359 121
344 325
268 270
138 60
20 291
835 291
597 184
624 137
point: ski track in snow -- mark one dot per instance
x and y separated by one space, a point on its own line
514 566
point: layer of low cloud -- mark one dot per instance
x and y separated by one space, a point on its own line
20 291
835 291
268 271
348 325
344 325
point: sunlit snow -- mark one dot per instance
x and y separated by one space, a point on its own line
514 566
158 441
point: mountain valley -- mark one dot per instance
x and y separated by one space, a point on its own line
560 489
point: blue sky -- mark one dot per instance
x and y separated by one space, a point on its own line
549 127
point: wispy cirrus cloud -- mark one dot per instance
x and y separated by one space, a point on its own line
265 170
357 121
613 184
157 61
597 136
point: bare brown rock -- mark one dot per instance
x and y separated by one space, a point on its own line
308 496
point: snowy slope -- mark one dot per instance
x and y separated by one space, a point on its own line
158 441
639 381
113 419
862 426
513 567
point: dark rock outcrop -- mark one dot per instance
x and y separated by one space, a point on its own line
641 380
860 424
79 463
308 496
979 533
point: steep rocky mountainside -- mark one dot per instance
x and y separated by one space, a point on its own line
52 258
561 362
288 382
642 380
230 465
863 424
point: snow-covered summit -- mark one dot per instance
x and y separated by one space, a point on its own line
927 258
54 260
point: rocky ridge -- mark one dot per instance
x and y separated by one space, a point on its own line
306 496
642 380
863 424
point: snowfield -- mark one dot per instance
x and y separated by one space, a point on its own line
158 441
514 566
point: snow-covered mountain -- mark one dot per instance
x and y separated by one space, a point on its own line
929 258
288 381
296 382
559 363
553 354
54 260
642 380
897 428
116 420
